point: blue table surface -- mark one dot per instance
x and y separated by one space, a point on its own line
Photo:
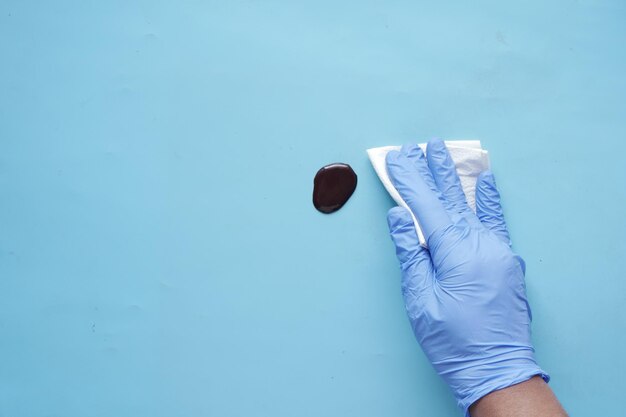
159 252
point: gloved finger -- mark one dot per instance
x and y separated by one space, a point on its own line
404 235
488 207
414 259
415 191
446 178
415 154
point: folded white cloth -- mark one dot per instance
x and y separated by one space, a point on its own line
468 156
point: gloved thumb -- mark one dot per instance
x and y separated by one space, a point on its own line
417 267
404 236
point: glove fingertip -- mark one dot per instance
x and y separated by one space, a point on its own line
393 164
486 178
403 234
486 191
436 144
406 148
398 217
392 156
413 151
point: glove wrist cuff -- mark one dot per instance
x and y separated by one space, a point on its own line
503 382
475 381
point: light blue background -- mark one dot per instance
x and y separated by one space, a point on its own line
159 252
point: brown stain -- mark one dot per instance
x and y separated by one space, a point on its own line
333 185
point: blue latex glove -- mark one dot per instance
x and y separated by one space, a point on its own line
465 295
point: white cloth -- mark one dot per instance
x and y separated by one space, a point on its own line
468 156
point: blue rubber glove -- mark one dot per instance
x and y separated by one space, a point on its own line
465 295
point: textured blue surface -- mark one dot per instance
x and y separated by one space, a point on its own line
159 253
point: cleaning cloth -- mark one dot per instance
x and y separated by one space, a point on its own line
468 156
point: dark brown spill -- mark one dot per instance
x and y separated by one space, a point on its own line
332 187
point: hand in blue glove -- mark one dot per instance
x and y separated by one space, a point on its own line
465 295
